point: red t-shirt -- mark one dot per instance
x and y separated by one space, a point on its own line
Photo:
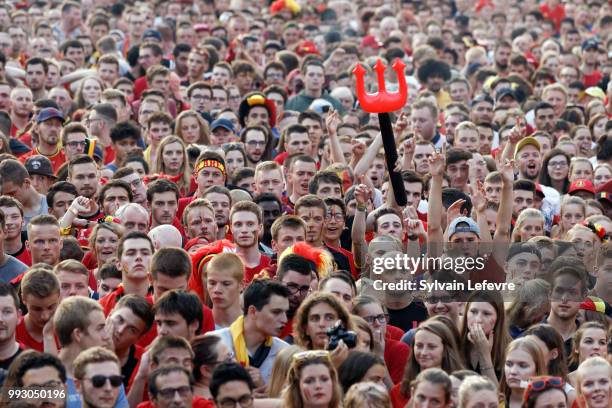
287 330
57 159
109 301
394 333
109 154
397 399
592 79
22 335
249 273
24 255
196 402
207 325
396 357
557 14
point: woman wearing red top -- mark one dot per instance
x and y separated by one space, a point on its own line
171 163
435 346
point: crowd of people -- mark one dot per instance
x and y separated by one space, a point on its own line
196 210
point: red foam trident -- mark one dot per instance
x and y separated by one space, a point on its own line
381 101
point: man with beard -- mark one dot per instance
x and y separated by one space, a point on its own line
253 336
224 283
9 304
255 139
544 116
221 200
433 74
295 272
272 209
503 51
529 159
113 195
48 126
199 220
97 378
35 76
246 224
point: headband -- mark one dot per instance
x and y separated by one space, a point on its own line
597 229
210 163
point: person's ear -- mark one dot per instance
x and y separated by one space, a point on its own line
76 335
193 328
554 353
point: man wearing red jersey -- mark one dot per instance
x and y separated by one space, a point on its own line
48 126
13 218
40 293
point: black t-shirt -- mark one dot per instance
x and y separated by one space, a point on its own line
408 317
5 364
129 366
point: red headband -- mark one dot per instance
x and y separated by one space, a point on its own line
210 163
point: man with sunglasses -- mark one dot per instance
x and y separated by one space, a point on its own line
98 378
172 387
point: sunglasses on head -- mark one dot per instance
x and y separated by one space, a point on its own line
539 384
98 381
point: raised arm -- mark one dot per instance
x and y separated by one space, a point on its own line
504 215
360 247
435 235
332 122
368 158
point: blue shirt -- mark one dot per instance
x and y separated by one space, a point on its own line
73 398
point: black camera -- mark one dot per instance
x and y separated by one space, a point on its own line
338 332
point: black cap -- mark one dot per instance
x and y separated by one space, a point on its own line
40 165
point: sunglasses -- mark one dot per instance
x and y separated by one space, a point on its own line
540 384
98 381
310 354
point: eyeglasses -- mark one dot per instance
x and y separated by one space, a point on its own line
557 164
310 354
381 318
137 182
245 401
169 393
539 384
74 145
335 216
98 381
200 97
294 289
438 299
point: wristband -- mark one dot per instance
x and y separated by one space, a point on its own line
74 211
362 207
66 231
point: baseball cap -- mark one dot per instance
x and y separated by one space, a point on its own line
152 34
603 196
539 190
463 224
224 123
49 113
306 47
590 43
595 92
370 41
526 141
320 106
605 187
581 185
40 165
505 92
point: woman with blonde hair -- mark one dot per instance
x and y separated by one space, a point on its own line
529 224
580 168
524 359
281 366
172 163
594 383
597 125
573 211
89 92
367 394
601 174
590 340
312 382
192 129
477 391
103 244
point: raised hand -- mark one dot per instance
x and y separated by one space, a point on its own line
517 132
507 171
401 124
479 339
454 211
477 194
408 146
332 121
358 149
362 194
437 163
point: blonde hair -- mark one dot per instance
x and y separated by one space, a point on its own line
530 346
473 385
528 213
587 364
229 264
367 394
80 101
113 227
281 366
574 357
91 356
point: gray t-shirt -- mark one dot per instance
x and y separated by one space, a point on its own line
11 268
42 209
